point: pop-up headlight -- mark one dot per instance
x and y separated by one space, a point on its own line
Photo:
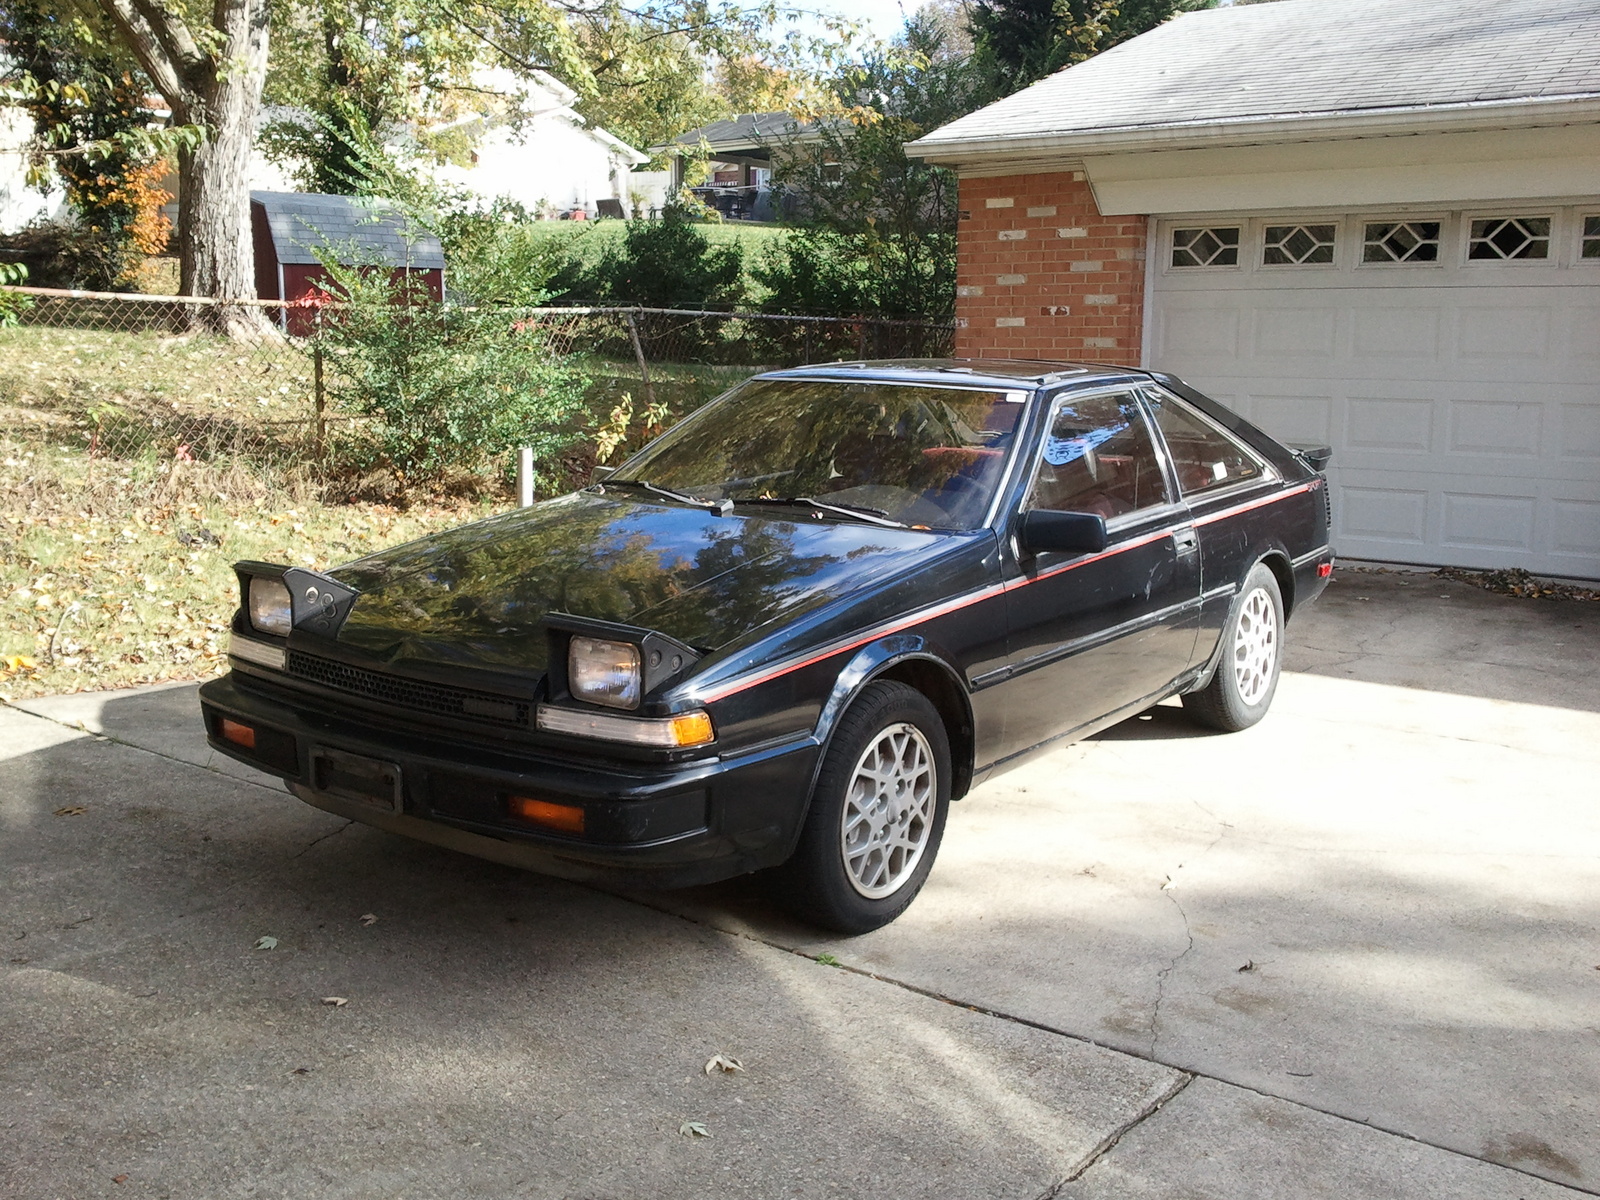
269 606
604 672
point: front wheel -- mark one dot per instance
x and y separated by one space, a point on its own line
1242 687
876 816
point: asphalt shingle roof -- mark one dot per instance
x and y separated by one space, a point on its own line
746 131
360 231
1305 57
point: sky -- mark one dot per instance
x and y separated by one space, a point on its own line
883 18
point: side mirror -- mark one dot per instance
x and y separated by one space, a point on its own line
1045 529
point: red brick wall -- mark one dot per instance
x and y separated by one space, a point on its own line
1041 274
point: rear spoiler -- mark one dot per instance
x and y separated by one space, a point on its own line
1315 457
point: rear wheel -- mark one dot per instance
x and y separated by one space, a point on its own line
1246 678
876 816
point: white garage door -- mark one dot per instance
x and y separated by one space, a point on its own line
1452 360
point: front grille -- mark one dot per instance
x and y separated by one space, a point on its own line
464 703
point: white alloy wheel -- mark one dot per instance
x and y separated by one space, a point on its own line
1255 646
888 811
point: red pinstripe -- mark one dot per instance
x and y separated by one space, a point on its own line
734 686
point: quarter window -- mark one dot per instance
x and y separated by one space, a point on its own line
1098 458
1217 246
1203 456
1298 245
1401 242
1498 239
1591 237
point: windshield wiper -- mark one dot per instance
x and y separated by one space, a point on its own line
859 511
721 507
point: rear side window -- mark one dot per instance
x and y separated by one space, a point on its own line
1098 458
1203 456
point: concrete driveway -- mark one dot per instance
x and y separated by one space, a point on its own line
1352 952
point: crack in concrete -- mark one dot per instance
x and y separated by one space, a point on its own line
319 840
1170 889
1108 1143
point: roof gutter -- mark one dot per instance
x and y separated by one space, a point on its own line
983 153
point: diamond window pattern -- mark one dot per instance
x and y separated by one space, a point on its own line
1214 247
1298 245
1498 239
1591 237
1401 242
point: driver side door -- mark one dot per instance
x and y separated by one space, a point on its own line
1092 633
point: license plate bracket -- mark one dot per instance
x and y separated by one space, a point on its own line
370 781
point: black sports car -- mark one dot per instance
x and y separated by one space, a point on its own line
788 632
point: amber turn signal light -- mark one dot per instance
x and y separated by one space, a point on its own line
568 818
238 734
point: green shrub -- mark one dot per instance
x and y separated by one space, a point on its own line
444 388
670 264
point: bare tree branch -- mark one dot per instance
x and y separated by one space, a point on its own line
152 56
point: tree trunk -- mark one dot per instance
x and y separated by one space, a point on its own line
215 82
215 252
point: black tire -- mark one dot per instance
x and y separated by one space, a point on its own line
1240 690
817 883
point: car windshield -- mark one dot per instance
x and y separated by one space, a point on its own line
924 456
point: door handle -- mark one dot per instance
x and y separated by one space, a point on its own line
1185 541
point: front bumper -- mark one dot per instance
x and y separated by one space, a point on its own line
646 825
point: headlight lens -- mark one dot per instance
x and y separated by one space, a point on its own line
269 606
603 672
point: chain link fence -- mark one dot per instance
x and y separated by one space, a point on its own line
131 376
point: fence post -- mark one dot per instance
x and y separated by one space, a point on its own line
638 353
319 401
807 328
525 477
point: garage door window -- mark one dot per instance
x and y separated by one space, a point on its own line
1505 238
1217 246
1591 237
1099 458
1203 456
1297 245
1401 242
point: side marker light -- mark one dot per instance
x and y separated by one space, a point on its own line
1324 570
237 733
568 818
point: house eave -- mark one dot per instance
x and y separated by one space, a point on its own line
990 155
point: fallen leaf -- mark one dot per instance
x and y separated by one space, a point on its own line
723 1063
694 1129
266 943
1249 965
301 1071
72 810
119 1179
336 1001
368 919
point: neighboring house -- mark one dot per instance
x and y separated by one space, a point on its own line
20 203
293 231
739 152
548 159
1373 224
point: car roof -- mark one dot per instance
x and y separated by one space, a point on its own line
998 372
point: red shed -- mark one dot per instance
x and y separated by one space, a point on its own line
291 229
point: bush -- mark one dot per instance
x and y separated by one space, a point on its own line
445 388
670 264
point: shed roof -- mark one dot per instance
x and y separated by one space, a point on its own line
1304 58
358 228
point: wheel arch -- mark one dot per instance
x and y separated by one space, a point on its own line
1277 561
910 660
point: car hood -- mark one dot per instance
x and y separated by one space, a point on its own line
474 597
